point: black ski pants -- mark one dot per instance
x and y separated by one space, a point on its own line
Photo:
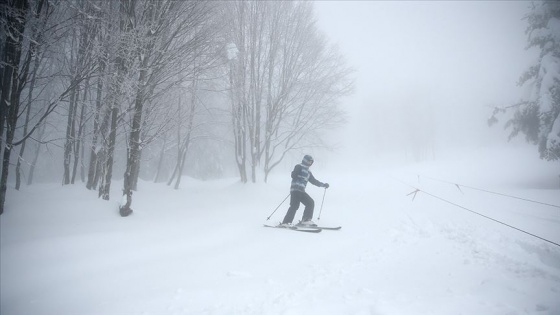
297 197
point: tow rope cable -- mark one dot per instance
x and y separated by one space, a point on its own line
472 211
488 191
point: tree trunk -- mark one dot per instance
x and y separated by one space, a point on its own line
161 157
126 11
237 123
12 55
73 141
136 172
32 54
70 135
79 137
133 159
27 117
105 188
179 146
41 131
181 166
93 170
184 146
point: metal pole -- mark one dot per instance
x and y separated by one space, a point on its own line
277 207
321 210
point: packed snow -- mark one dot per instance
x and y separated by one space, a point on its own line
202 249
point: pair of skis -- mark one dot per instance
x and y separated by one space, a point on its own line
303 228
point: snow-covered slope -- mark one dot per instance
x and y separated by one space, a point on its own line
202 249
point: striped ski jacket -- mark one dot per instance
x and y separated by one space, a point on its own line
300 176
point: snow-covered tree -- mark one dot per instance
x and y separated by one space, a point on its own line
174 46
284 82
538 116
32 34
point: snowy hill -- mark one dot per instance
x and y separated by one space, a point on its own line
202 249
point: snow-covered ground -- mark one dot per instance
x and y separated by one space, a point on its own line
202 249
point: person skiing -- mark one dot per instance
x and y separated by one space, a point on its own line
300 176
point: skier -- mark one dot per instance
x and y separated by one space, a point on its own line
300 176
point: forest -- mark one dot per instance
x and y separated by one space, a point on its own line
149 89
93 91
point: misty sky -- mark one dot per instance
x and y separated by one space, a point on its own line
437 63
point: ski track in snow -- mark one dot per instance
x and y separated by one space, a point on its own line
202 249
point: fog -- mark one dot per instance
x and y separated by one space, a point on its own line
427 73
424 192
427 76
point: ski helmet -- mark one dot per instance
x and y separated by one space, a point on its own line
307 159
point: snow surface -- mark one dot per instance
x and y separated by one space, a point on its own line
202 249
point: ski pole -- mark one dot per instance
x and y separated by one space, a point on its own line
321 210
277 207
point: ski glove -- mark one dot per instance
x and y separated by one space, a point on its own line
326 185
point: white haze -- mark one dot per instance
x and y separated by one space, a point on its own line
427 72
427 75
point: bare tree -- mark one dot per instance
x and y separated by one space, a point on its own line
40 133
285 82
35 56
15 15
119 67
83 53
117 89
183 141
103 29
177 44
33 28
